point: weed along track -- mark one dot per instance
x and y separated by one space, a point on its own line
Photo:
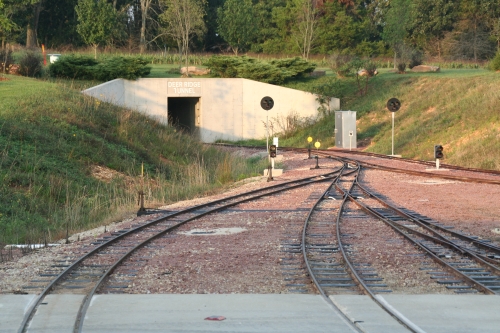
114 259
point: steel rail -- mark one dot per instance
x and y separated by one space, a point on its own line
88 298
442 240
388 157
308 265
449 166
328 152
352 270
429 226
30 312
432 175
433 239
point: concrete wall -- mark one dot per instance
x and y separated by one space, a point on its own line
230 108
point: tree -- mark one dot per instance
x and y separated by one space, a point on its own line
183 20
236 24
145 5
306 21
96 21
6 24
431 19
477 16
9 9
396 23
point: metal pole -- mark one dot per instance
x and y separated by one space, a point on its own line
267 129
392 133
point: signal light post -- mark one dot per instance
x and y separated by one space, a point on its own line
317 145
267 104
309 140
438 154
393 105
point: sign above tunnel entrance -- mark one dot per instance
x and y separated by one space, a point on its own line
184 88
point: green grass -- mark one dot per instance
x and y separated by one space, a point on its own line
457 108
51 140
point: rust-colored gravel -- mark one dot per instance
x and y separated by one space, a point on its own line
250 259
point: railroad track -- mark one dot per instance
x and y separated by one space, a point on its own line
467 263
331 263
493 174
89 273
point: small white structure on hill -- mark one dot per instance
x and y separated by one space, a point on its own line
212 109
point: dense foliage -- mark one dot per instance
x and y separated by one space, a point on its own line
274 72
86 68
451 29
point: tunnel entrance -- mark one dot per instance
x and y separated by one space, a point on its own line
184 113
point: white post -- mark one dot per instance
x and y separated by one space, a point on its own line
393 133
437 163
267 138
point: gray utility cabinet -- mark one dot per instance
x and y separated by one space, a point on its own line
345 129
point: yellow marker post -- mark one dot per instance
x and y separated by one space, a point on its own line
309 140
317 145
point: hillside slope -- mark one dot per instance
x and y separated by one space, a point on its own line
68 162
457 108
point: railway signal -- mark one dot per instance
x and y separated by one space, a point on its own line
438 152
393 105
267 103
272 151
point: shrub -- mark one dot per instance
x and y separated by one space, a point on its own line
275 72
73 67
297 67
416 58
340 64
224 66
494 64
5 60
120 67
262 72
30 64
401 68
86 68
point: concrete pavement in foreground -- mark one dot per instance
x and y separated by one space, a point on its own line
255 313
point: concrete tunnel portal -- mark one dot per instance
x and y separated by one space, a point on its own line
184 113
211 109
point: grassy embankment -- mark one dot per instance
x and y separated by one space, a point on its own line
59 148
458 108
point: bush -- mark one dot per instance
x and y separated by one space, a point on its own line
86 68
340 64
401 68
494 64
224 66
297 67
30 64
5 60
73 67
274 72
120 67
416 58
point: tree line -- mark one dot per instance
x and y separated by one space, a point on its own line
451 29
